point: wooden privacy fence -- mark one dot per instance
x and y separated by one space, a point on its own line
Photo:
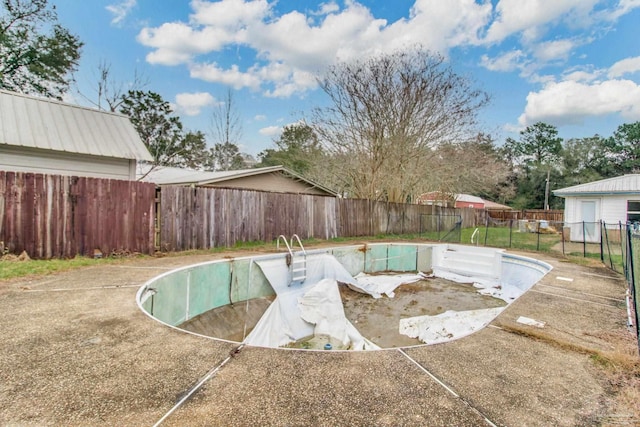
200 218
529 214
52 216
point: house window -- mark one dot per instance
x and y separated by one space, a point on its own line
633 210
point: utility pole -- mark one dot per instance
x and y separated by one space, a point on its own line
546 192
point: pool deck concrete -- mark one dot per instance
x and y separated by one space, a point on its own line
76 350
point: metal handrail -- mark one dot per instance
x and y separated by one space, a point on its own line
299 243
475 232
284 239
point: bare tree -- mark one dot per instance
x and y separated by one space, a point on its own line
110 93
226 132
386 115
473 167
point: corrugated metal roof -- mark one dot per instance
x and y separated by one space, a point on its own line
493 205
163 175
48 124
626 184
468 198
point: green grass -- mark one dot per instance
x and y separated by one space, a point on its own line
11 269
502 237
492 237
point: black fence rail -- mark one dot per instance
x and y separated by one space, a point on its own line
632 274
441 227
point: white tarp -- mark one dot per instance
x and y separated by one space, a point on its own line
447 326
315 307
376 286
282 322
497 289
322 307
318 267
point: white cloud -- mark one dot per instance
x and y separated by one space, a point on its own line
291 48
230 14
260 118
581 76
571 102
515 16
298 81
327 8
270 131
625 66
230 77
177 42
509 61
444 24
192 103
120 10
623 7
555 49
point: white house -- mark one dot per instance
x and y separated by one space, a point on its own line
612 201
46 136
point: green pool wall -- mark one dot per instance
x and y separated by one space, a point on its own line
182 294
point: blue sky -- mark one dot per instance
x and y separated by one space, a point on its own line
571 63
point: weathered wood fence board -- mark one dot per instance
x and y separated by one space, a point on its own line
52 216
530 214
58 216
201 218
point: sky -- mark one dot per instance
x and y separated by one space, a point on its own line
574 64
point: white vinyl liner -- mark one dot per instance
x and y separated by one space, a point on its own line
314 308
309 310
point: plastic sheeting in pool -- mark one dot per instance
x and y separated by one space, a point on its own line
283 322
314 308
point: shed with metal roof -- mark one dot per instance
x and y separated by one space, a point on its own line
47 136
275 179
611 201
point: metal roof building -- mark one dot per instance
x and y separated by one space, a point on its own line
626 184
612 201
276 179
47 136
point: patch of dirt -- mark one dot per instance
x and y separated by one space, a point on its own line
379 319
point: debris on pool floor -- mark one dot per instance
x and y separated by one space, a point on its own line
394 310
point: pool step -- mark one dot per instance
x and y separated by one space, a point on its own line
299 269
469 261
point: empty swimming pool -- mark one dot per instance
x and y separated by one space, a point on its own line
362 297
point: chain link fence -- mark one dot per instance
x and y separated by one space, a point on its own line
632 274
615 245
441 228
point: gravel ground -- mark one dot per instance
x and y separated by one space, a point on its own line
76 350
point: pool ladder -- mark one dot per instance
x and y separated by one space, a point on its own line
297 262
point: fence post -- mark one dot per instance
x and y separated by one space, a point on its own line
632 278
486 230
604 228
621 246
538 230
601 251
510 231
584 240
